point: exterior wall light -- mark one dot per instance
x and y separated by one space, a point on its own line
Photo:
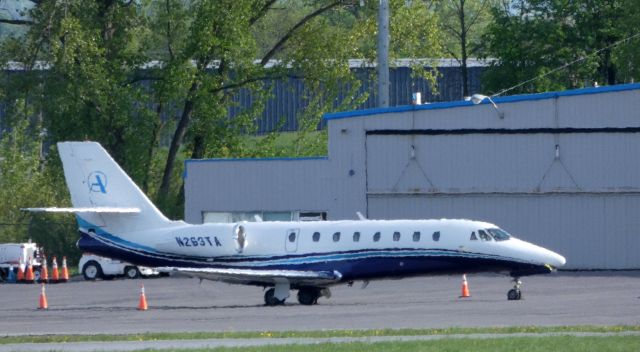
479 98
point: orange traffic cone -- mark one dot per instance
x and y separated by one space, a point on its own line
465 287
142 303
29 277
44 272
65 271
20 277
43 299
55 275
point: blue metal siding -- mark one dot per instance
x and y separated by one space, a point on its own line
288 100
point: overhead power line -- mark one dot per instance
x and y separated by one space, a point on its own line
629 38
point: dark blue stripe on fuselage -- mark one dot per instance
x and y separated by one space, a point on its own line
351 269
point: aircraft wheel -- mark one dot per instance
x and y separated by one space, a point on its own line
91 271
514 295
132 272
308 296
270 299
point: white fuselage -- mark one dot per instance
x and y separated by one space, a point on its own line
366 248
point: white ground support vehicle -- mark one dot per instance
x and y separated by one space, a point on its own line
11 254
96 267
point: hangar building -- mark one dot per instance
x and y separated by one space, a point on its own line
559 169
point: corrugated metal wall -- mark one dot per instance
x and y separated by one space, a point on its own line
288 101
247 185
593 231
578 192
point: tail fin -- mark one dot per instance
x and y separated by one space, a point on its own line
96 182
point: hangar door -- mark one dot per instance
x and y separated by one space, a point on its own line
557 190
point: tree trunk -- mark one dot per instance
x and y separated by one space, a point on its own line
463 51
176 141
608 69
153 145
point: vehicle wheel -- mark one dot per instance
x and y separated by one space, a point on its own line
270 299
514 295
308 296
132 272
91 271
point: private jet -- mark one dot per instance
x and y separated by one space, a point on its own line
117 220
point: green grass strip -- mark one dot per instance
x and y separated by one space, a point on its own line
311 334
520 344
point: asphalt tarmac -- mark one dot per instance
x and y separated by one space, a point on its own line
186 305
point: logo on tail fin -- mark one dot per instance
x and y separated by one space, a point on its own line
97 182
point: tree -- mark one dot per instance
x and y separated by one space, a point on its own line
463 23
75 79
153 80
26 179
626 55
563 44
313 47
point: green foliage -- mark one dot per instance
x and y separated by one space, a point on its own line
463 24
27 180
153 81
626 56
566 44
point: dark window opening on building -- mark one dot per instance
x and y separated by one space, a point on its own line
313 216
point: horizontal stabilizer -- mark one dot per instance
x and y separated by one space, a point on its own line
104 210
249 276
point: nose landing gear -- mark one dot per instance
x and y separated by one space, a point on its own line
515 294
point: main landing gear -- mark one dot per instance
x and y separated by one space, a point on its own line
306 295
515 294
277 295
271 300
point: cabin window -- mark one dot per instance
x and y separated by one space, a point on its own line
484 236
336 237
376 237
292 237
436 236
356 237
473 236
396 236
316 236
416 236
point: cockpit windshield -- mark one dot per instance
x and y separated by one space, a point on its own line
498 234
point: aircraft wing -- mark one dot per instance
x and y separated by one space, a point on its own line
259 277
105 210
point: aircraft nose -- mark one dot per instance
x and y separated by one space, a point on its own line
556 260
